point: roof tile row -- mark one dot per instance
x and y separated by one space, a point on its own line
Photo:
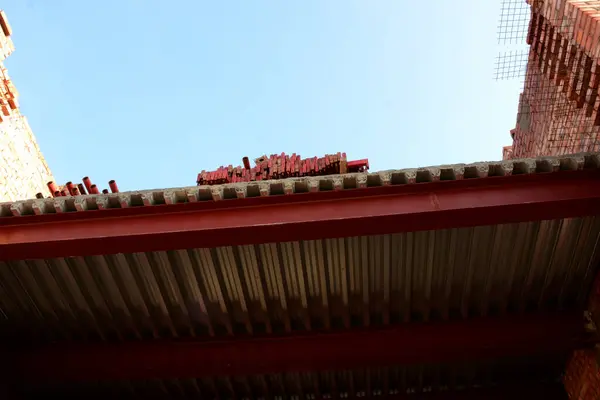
295 185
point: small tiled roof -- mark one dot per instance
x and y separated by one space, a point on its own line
290 186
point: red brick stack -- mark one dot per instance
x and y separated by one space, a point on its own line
560 104
71 189
8 95
279 166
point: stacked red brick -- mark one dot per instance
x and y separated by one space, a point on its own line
559 108
278 166
8 93
6 45
71 189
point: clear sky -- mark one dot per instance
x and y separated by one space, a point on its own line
151 92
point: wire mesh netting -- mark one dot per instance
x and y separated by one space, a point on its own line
514 22
511 64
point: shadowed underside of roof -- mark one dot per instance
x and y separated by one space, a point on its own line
500 379
306 285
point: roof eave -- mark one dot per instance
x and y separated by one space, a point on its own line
326 214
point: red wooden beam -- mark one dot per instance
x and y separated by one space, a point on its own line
477 339
517 390
369 211
504 391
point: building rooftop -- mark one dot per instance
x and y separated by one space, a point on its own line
485 265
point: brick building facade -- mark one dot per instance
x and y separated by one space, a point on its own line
23 169
558 111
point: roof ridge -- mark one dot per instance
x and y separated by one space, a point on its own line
293 185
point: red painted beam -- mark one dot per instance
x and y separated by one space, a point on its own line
505 391
430 343
369 211
510 391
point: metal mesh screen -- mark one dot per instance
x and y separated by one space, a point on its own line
514 22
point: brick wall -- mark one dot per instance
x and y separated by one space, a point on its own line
559 109
23 169
559 113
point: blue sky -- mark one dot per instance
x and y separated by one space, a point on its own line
151 92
